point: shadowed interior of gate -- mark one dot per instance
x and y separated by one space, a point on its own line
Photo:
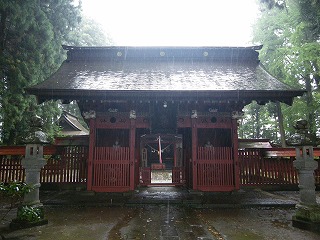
160 155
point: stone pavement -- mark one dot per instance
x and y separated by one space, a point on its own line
165 213
174 195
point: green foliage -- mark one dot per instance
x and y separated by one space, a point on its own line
274 3
31 35
13 193
50 112
89 33
259 122
29 214
310 12
291 52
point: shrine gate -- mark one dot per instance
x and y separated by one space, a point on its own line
163 111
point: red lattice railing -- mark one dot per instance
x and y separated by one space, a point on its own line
215 169
270 167
111 169
68 167
65 164
11 169
68 164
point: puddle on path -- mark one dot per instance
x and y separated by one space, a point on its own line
164 221
254 223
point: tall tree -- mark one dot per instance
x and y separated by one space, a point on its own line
31 33
89 33
259 121
290 52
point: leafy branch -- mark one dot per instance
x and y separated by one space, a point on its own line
13 193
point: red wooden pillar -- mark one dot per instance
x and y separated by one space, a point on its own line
194 130
235 154
92 138
132 147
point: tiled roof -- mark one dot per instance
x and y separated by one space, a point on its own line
71 125
146 71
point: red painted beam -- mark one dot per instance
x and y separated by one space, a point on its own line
287 152
20 150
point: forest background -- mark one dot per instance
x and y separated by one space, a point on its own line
32 33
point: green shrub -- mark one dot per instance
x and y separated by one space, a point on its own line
13 193
29 214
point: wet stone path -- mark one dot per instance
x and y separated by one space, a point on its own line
164 222
163 213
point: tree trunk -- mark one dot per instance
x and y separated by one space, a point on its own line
280 123
310 113
257 122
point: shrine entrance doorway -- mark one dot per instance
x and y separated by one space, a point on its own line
161 160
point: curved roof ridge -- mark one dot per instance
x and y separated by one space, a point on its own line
123 53
69 47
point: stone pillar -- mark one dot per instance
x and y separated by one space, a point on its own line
32 163
307 215
31 212
306 165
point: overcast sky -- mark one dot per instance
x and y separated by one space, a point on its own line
175 22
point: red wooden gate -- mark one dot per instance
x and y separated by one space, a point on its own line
145 176
111 169
178 175
215 169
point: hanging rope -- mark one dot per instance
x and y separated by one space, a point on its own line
153 149
156 150
160 150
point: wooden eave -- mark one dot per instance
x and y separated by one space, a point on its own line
213 96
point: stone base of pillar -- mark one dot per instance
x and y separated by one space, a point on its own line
307 217
17 224
29 216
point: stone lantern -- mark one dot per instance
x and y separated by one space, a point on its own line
307 215
32 163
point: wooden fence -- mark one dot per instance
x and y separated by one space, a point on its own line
270 167
65 164
68 164
255 169
11 169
